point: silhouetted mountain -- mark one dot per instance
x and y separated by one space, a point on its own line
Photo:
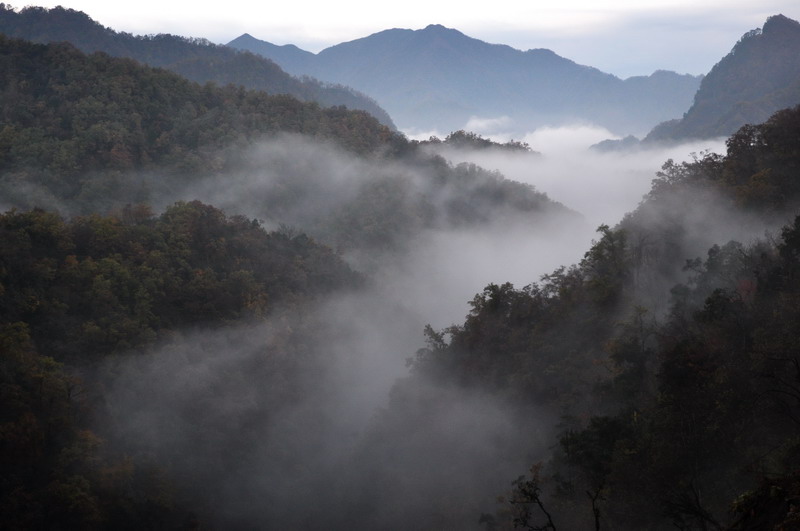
758 77
297 61
628 143
196 59
439 78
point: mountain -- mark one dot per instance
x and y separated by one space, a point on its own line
759 76
439 78
196 59
691 398
92 133
294 60
94 130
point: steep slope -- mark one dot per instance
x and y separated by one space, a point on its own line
105 287
674 375
83 134
196 59
759 76
439 78
83 127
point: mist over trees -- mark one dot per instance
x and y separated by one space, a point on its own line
469 141
227 309
670 412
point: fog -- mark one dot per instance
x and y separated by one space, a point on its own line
432 272
600 185
310 419
290 424
605 186
291 181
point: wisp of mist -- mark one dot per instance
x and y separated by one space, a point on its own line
602 186
343 449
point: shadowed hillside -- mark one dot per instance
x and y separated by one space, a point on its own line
196 59
760 76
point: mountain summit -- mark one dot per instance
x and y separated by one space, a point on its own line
759 76
439 78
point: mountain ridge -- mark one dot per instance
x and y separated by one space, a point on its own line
196 58
440 78
759 76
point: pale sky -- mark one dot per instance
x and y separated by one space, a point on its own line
621 37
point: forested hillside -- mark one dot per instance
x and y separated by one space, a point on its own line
759 76
84 134
113 290
77 293
671 415
197 59
212 299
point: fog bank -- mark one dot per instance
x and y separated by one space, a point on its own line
310 419
600 185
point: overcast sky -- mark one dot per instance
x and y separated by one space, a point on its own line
622 37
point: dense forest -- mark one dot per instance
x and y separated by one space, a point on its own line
196 59
99 282
673 416
201 320
85 134
73 123
80 291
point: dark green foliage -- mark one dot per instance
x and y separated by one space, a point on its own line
87 290
762 164
754 183
669 413
689 410
85 134
592 449
467 194
84 128
102 285
54 472
522 341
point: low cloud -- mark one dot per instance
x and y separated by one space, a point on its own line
601 186
488 126
309 419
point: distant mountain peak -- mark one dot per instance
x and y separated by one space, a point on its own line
435 77
759 76
439 30
544 52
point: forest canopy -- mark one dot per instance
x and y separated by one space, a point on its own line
659 372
